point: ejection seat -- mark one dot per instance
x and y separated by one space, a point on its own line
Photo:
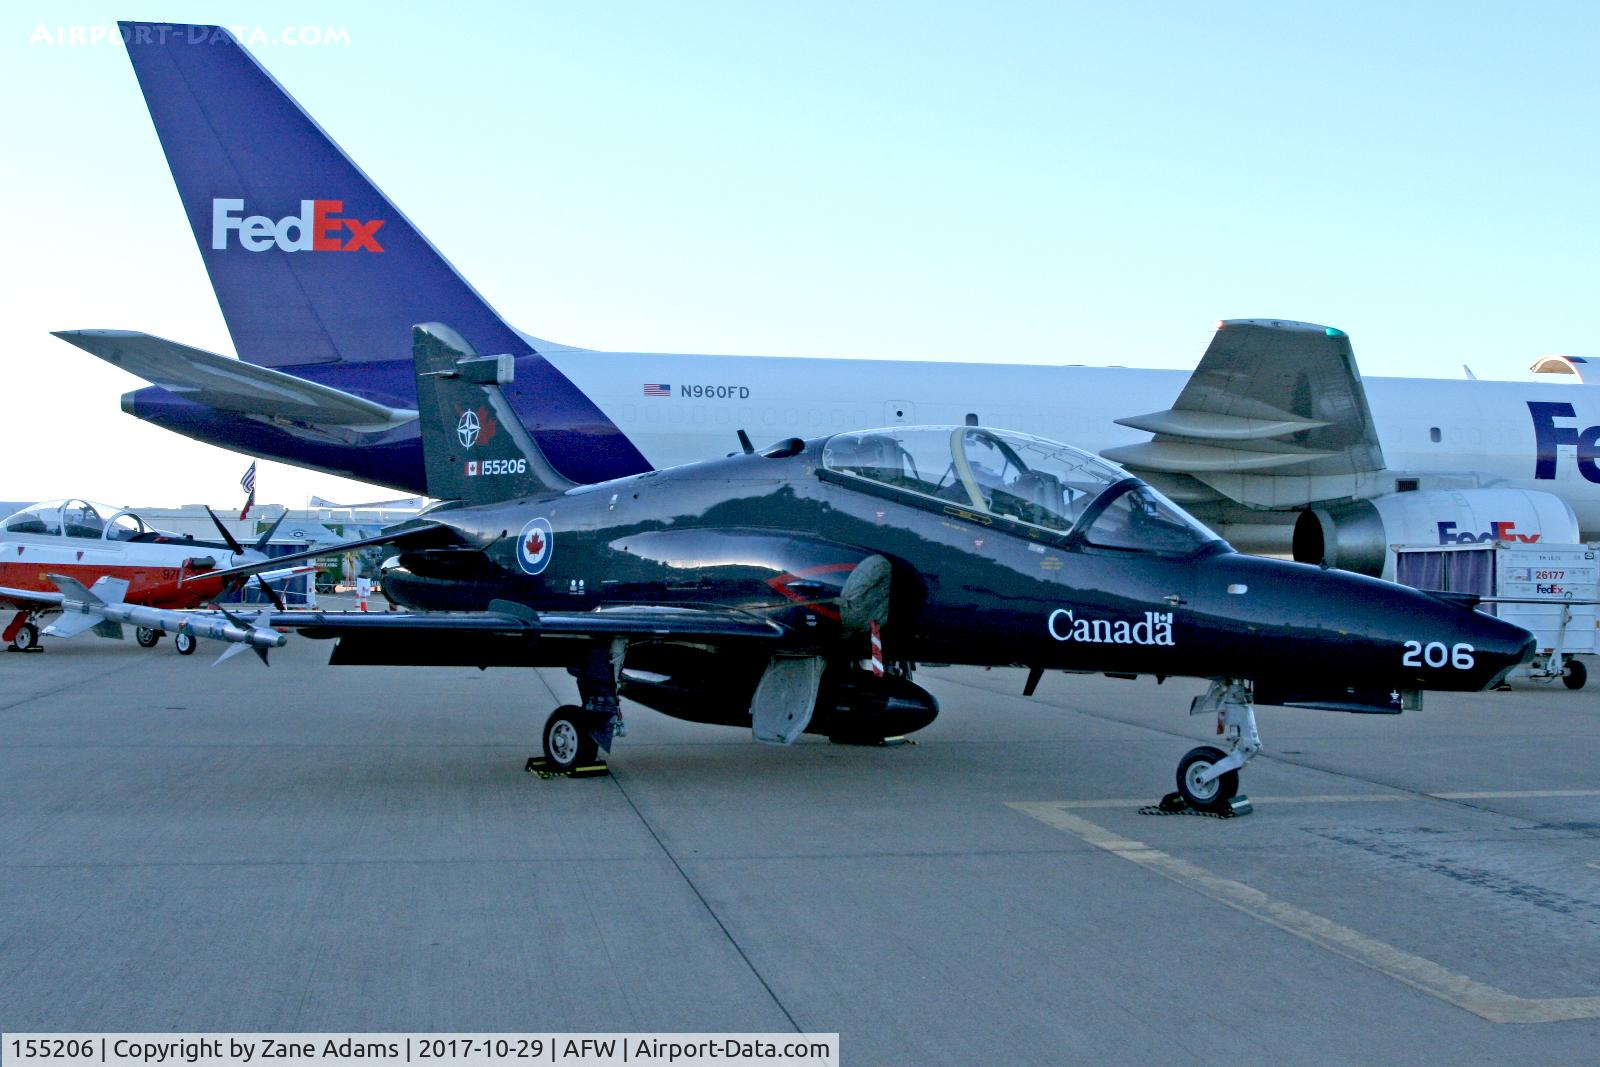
1042 499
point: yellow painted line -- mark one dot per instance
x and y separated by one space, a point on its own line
1482 1000
1518 794
1355 798
1332 798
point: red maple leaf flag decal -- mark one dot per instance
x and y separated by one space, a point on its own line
487 424
536 545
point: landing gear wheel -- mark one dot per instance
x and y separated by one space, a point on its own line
1574 675
27 638
185 644
567 741
1210 797
147 636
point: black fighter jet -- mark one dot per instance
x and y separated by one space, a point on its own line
795 588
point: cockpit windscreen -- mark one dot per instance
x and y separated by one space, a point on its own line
1020 477
77 518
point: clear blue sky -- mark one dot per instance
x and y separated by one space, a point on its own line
1049 183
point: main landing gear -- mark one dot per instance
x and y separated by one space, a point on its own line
575 736
26 638
1208 778
147 636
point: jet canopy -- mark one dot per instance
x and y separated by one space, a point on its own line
77 518
1016 476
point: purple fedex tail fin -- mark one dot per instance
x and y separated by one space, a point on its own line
311 263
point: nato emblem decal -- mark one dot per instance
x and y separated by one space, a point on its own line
535 546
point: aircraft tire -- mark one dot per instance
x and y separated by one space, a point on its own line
147 636
567 741
1575 674
27 638
185 643
1213 797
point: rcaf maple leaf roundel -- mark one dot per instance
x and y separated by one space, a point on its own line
535 544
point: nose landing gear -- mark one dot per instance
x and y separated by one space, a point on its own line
1196 784
1208 778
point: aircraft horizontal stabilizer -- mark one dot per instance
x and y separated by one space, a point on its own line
1269 399
278 566
232 385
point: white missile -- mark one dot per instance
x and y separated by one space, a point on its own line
103 607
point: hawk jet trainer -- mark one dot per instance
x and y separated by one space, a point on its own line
1276 438
796 588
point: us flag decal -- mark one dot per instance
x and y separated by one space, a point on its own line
653 389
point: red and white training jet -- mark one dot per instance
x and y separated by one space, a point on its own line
52 552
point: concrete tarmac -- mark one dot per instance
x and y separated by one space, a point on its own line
306 848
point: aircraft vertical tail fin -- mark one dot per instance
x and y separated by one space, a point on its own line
310 261
474 447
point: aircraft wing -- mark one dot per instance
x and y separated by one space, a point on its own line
1275 416
505 617
232 385
504 635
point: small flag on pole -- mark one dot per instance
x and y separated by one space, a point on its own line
248 484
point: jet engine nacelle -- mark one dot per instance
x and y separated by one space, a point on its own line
1356 537
700 685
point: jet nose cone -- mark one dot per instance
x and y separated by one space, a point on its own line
1499 646
1350 630
1525 651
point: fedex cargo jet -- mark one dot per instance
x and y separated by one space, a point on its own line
1275 439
